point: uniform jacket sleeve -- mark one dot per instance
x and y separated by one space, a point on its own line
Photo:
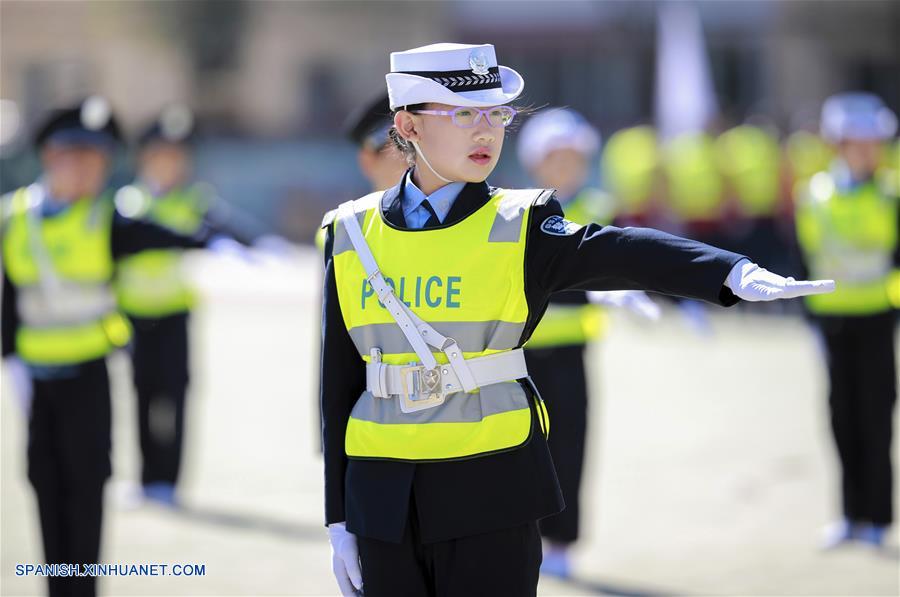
10 317
599 257
221 218
342 380
897 248
131 236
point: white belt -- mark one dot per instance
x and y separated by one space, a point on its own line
418 388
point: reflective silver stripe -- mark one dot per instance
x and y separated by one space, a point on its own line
507 224
402 381
342 242
360 206
458 408
847 264
471 336
73 304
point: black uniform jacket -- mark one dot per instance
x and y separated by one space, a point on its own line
477 495
128 236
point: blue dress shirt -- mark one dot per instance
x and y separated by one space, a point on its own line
441 200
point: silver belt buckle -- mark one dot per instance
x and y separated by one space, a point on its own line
421 388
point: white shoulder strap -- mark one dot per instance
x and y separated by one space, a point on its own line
418 332
49 279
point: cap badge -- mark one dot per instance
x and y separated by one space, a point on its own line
478 62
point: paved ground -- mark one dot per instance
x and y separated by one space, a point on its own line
710 469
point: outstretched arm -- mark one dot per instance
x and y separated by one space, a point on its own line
594 257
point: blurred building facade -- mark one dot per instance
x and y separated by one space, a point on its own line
277 78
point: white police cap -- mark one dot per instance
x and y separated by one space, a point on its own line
453 74
557 128
857 116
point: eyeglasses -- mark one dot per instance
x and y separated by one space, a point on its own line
466 118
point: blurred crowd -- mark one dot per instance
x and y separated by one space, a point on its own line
735 188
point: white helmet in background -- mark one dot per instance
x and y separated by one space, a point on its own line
857 116
556 128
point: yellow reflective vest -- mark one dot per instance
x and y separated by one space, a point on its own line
807 154
749 159
62 267
849 237
629 167
694 185
151 283
571 325
468 281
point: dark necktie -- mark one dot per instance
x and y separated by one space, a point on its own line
432 220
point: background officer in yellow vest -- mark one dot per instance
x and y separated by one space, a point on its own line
749 159
153 292
557 147
806 153
436 461
61 240
630 172
694 190
847 226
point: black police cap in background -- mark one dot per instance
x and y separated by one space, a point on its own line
89 122
175 124
370 123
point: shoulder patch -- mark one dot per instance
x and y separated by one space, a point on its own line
559 226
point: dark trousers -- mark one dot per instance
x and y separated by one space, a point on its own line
863 377
160 364
494 564
559 375
68 464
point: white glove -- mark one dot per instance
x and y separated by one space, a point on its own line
345 559
753 283
228 247
635 301
274 245
20 379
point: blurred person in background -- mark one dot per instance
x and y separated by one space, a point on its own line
61 240
693 200
437 468
693 187
152 290
847 226
749 158
557 147
629 169
806 153
378 159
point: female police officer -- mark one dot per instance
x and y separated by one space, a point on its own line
436 463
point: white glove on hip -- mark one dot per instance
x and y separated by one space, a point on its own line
274 245
228 247
345 559
635 301
20 379
753 283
